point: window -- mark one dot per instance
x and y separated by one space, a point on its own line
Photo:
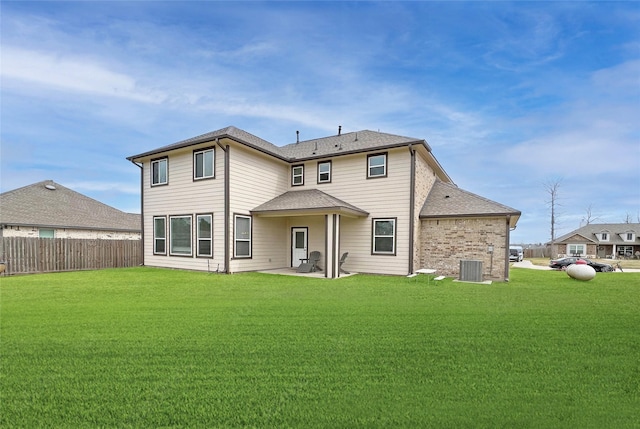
576 249
384 236
625 251
377 165
629 236
204 235
159 172
297 175
324 172
180 233
242 237
46 233
604 236
203 161
159 235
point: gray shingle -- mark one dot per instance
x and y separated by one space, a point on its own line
309 149
589 232
447 200
36 205
307 200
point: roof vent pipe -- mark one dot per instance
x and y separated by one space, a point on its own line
339 129
297 136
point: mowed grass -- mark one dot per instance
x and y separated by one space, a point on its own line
149 347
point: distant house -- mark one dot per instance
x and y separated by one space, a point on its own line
49 210
602 240
233 201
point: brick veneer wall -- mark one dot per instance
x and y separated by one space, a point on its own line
444 242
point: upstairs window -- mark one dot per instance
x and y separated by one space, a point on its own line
377 165
383 237
629 236
604 236
203 161
297 175
159 235
205 235
159 172
324 172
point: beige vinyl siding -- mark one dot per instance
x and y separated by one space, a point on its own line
184 196
384 197
257 178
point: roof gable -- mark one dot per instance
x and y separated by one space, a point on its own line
447 200
49 204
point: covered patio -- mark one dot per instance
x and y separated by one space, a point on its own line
313 218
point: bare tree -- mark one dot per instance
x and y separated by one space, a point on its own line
628 218
552 187
589 216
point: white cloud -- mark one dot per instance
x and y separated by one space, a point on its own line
69 73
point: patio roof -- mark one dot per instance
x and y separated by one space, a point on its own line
311 201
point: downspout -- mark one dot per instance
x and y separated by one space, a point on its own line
506 251
226 206
412 203
141 167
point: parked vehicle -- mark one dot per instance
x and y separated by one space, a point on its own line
516 254
563 263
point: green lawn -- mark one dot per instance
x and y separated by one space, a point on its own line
148 347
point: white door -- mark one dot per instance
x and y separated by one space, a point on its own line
298 246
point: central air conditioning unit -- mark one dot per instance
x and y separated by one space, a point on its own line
471 271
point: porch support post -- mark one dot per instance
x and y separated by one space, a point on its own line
332 246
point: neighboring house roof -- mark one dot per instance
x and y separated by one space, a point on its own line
588 232
447 200
307 200
341 144
49 204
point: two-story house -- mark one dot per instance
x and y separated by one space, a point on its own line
233 202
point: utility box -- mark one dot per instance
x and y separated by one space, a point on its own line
471 271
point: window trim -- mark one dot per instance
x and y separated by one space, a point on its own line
574 247
157 161
171 252
301 175
196 152
386 165
373 235
329 172
236 216
155 252
199 239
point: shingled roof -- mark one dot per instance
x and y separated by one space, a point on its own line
307 200
613 229
447 200
49 204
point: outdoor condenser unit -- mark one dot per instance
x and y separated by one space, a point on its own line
470 271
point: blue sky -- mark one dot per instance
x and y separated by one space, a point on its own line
510 96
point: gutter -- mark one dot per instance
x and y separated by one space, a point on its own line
141 167
227 229
506 251
412 209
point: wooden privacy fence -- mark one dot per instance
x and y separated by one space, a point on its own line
39 255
